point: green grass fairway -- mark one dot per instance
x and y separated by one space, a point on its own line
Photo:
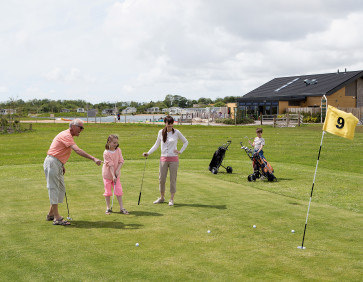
174 242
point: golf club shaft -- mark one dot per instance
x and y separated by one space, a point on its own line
138 203
113 193
65 193
142 181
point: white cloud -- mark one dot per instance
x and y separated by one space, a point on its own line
128 88
71 75
142 50
55 74
4 89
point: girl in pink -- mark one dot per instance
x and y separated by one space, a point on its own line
112 163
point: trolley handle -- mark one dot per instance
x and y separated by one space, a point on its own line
228 143
247 149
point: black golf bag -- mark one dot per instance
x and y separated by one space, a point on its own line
260 166
218 157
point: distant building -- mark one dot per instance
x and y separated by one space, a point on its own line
80 110
342 89
205 113
8 111
153 110
129 110
65 111
199 105
172 111
194 111
231 109
92 113
108 112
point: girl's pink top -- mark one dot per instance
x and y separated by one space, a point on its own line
169 159
111 159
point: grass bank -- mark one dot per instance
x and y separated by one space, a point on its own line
174 243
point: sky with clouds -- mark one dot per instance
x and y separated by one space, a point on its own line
143 50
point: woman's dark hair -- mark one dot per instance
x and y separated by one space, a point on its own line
167 120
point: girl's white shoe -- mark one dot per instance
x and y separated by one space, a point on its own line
159 201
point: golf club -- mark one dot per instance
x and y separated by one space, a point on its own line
248 139
114 184
68 217
142 181
113 194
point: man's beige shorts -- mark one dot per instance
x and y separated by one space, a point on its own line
53 170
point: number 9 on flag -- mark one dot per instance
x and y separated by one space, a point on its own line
340 123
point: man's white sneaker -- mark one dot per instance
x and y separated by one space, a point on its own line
171 203
159 201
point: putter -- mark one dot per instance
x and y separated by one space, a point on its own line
68 217
138 203
114 184
113 194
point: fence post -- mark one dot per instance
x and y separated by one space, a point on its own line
298 122
274 120
287 119
261 118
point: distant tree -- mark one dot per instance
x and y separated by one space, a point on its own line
161 105
169 100
230 99
183 102
219 104
205 101
135 104
218 100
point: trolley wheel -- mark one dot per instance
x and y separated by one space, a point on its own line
214 170
251 177
271 178
229 169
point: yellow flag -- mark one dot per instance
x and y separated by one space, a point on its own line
340 123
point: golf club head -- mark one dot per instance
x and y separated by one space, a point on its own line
69 218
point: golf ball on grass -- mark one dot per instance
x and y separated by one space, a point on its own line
137 244
208 231
292 231
254 226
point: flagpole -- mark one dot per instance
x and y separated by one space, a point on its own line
311 194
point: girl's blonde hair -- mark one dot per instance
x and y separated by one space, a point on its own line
109 139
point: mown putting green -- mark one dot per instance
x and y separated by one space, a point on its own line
173 241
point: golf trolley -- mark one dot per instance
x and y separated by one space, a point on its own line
218 157
260 166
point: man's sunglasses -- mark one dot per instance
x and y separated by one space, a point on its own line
81 127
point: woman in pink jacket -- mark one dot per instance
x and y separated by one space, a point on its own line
111 170
169 160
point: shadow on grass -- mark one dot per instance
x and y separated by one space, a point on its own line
219 207
294 203
103 224
144 213
284 179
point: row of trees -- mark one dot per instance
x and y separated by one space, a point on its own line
36 106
